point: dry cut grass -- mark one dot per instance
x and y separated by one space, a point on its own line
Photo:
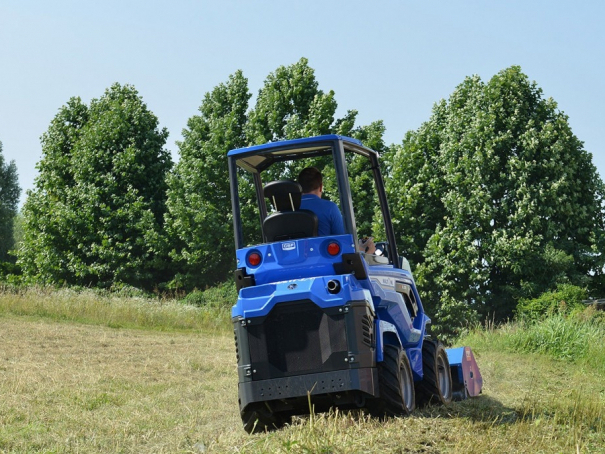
67 387
80 388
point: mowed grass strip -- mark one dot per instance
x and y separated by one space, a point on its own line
80 388
70 387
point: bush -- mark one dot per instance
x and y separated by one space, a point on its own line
223 295
452 319
563 300
7 268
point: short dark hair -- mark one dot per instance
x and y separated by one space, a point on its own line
310 179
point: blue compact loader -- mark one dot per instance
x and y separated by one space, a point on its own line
318 322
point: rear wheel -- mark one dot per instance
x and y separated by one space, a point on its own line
397 396
258 418
436 385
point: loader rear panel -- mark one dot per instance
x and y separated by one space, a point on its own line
300 348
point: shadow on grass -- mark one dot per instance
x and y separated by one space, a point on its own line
478 409
578 413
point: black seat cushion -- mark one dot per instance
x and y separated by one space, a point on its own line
290 225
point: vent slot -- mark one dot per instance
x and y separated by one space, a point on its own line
367 330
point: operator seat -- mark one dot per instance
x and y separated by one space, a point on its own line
288 222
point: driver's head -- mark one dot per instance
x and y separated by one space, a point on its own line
310 179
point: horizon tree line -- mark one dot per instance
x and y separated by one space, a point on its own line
493 198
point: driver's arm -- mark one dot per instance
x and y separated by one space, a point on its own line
366 245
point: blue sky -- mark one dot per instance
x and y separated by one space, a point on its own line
390 60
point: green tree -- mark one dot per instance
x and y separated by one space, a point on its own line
290 105
496 200
199 221
47 249
9 198
95 216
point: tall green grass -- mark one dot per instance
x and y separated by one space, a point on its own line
119 310
576 337
566 371
563 338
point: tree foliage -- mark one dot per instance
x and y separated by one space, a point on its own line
199 219
365 199
290 105
95 216
9 198
106 209
495 200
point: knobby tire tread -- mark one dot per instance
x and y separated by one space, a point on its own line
260 419
427 389
391 401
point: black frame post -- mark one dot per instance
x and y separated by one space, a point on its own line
237 224
344 189
384 207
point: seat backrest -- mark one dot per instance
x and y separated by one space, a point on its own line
288 223
284 195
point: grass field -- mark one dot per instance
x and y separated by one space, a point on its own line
89 383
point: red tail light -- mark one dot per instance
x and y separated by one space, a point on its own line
254 259
333 248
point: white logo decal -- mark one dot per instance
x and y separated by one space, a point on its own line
386 281
288 246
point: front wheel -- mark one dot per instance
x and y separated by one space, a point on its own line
397 395
436 385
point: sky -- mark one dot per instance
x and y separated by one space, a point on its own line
390 60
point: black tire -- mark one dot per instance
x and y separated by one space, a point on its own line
397 396
259 418
436 386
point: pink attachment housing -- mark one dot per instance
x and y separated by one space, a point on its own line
466 378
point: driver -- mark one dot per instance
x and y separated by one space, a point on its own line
327 212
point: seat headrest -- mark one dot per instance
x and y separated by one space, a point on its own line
284 195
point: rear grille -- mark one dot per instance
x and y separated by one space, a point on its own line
297 338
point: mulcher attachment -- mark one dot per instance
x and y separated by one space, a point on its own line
466 378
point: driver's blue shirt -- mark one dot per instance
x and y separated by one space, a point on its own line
328 214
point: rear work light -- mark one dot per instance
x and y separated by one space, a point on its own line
254 259
333 248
